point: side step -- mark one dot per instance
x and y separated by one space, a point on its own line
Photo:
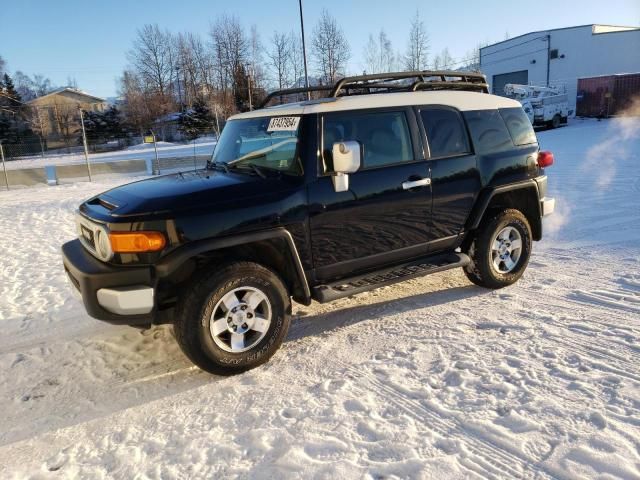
388 276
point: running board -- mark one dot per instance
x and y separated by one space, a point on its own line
388 276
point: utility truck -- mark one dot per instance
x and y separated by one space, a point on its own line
545 106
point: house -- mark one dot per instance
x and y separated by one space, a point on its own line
561 56
56 114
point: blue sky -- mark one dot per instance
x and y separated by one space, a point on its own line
88 39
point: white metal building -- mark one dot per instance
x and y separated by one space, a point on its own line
561 56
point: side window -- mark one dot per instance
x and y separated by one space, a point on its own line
446 134
384 137
488 131
518 125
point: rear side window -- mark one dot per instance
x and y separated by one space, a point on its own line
488 131
518 125
445 132
384 136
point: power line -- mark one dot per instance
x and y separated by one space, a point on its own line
543 37
515 56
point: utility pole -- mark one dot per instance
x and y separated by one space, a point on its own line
4 167
84 142
304 53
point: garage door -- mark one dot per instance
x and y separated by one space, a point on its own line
499 81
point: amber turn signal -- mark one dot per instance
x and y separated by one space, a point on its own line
137 242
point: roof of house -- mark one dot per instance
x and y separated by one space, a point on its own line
593 26
68 89
461 100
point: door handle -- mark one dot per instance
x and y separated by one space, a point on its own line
423 182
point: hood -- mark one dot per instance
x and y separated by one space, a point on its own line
174 193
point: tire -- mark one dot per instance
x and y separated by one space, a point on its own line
483 271
555 121
213 345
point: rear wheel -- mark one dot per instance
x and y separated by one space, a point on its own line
233 319
500 250
555 121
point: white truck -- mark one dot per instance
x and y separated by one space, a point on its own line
545 106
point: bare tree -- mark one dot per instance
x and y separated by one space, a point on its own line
379 56
230 52
330 48
152 58
472 58
256 62
296 60
279 59
446 59
417 56
3 65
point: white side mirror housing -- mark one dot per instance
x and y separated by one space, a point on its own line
346 160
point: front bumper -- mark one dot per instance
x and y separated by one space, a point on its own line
118 295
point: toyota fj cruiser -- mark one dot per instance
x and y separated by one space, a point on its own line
384 178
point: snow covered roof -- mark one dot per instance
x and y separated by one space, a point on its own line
461 100
71 90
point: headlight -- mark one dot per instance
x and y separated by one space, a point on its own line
95 238
103 245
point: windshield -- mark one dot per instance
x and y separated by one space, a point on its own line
265 142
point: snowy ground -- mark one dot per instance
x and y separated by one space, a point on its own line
433 378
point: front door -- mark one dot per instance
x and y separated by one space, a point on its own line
384 216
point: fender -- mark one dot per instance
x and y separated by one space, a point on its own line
485 198
169 264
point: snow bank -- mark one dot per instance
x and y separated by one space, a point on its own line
433 378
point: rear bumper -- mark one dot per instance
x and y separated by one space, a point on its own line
118 295
547 206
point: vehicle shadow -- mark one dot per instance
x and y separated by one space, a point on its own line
337 317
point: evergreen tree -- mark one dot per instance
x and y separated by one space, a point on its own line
101 127
197 120
12 100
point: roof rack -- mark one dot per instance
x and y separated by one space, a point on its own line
393 82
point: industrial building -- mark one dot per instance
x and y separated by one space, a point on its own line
561 56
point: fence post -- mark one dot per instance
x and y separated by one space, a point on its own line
155 147
84 142
4 167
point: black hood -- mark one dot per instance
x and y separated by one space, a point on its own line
170 194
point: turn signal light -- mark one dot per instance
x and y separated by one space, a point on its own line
136 242
545 159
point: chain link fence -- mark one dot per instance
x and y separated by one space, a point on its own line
42 163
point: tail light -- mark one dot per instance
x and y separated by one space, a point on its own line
545 159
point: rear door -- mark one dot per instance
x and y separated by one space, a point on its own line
382 218
454 173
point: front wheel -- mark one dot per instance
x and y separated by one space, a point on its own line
500 250
233 319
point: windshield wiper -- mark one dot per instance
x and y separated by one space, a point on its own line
220 165
258 170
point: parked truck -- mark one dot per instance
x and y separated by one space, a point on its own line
545 106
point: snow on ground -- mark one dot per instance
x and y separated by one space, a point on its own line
204 146
432 378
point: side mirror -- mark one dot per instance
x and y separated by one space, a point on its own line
346 160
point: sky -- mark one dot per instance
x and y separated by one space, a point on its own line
87 40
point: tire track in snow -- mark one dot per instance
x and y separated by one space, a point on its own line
494 459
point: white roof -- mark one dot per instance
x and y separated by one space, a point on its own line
463 101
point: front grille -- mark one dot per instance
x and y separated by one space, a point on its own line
87 231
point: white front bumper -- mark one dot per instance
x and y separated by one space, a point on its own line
134 300
547 205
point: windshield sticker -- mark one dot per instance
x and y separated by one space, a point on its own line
283 124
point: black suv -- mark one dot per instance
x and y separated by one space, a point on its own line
383 178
